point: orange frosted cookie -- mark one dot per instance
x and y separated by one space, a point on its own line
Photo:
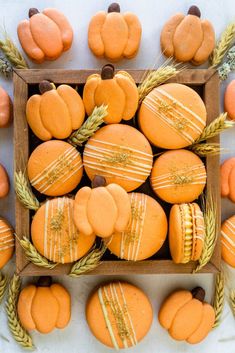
186 232
119 314
118 91
145 233
4 182
56 112
227 178
228 241
7 242
55 168
114 35
172 116
54 233
44 306
119 153
178 176
229 100
101 210
186 315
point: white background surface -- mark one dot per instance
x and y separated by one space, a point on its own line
76 338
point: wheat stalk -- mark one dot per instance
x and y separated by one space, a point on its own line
223 45
3 286
217 126
33 255
210 216
24 192
232 300
205 149
19 334
89 262
12 53
89 127
219 295
155 78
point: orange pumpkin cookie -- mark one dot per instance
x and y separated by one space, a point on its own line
4 182
145 233
172 116
119 153
54 233
186 316
229 100
5 108
227 179
178 176
7 242
44 306
102 210
46 35
188 38
118 91
228 241
119 314
55 168
56 112
114 35
186 232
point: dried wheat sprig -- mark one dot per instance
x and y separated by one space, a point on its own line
33 255
89 127
232 300
88 262
5 67
3 286
12 53
209 207
219 296
24 192
205 149
20 335
223 45
217 126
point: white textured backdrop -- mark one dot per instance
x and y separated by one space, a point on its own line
76 338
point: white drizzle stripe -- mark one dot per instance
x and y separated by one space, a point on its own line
5 230
106 318
141 226
123 234
196 176
70 238
134 229
230 223
229 240
7 247
6 241
177 185
45 229
185 169
6 236
227 247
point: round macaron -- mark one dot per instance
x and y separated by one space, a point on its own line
186 232
229 98
119 314
227 178
178 176
54 233
228 241
145 233
119 153
7 242
55 168
172 116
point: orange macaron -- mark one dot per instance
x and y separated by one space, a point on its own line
7 242
186 232
145 233
54 233
229 98
119 314
228 241
121 154
227 178
178 176
172 116
55 168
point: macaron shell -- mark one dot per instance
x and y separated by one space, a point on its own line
207 322
176 234
229 98
198 231
7 242
228 241
227 178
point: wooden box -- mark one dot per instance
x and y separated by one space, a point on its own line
205 82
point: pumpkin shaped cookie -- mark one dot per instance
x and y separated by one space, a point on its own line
118 91
44 306
186 316
7 242
229 99
188 38
4 182
55 168
46 35
228 241
5 108
54 233
56 112
114 35
227 178
101 210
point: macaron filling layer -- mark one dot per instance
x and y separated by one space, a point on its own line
188 227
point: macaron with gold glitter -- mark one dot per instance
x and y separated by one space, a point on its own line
7 242
228 241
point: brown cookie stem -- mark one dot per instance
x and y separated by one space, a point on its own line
107 72
33 11
44 281
198 293
114 7
97 181
194 10
45 86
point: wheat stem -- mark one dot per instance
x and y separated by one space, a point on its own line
205 149
12 53
3 286
24 192
222 46
218 302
